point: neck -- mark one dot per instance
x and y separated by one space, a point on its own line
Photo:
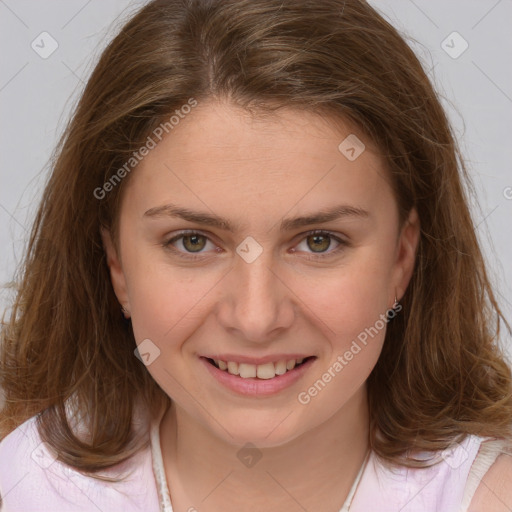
314 471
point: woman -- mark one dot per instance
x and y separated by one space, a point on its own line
272 194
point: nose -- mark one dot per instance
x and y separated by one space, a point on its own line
256 303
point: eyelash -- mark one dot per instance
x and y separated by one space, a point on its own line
342 244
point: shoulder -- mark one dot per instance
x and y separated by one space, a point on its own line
33 478
437 486
23 458
494 491
24 447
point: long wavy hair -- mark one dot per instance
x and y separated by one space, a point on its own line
441 375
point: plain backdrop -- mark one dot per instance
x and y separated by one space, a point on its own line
465 45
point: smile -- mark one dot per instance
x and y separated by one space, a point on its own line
257 380
261 371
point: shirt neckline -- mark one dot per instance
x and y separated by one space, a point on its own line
164 496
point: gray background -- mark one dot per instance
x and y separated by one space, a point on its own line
36 96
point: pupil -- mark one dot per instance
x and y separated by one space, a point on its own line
195 244
321 242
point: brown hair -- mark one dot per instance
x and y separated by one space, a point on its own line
441 375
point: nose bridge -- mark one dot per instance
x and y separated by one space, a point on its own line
258 301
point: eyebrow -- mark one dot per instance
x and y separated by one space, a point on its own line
289 224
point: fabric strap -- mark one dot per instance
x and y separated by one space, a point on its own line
161 481
487 455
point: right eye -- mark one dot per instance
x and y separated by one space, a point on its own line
192 242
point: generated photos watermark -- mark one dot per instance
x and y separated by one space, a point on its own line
357 345
151 143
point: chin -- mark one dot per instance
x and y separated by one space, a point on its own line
263 429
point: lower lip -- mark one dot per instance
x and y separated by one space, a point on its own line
255 386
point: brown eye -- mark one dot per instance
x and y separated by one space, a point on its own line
319 243
190 244
194 243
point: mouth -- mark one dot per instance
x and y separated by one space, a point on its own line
257 381
264 371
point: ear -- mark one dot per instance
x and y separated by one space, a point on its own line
406 253
117 276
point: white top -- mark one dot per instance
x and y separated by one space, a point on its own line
452 482
163 489
33 479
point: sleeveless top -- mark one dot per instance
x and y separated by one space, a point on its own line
448 486
31 479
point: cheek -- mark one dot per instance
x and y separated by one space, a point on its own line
350 298
349 306
167 307
350 310
166 301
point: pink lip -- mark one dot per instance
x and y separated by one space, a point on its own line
255 386
272 358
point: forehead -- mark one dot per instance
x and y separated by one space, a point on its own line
226 132
223 157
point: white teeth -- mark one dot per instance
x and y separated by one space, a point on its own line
247 371
266 371
262 371
290 365
281 367
233 368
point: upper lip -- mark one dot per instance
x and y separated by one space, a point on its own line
274 358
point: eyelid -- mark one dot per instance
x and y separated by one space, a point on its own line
342 243
167 244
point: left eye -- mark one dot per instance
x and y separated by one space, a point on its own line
320 241
193 242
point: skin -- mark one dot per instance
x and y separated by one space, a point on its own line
494 494
255 172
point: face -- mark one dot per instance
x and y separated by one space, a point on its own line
251 240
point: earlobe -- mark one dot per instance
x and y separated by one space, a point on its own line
406 251
117 276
